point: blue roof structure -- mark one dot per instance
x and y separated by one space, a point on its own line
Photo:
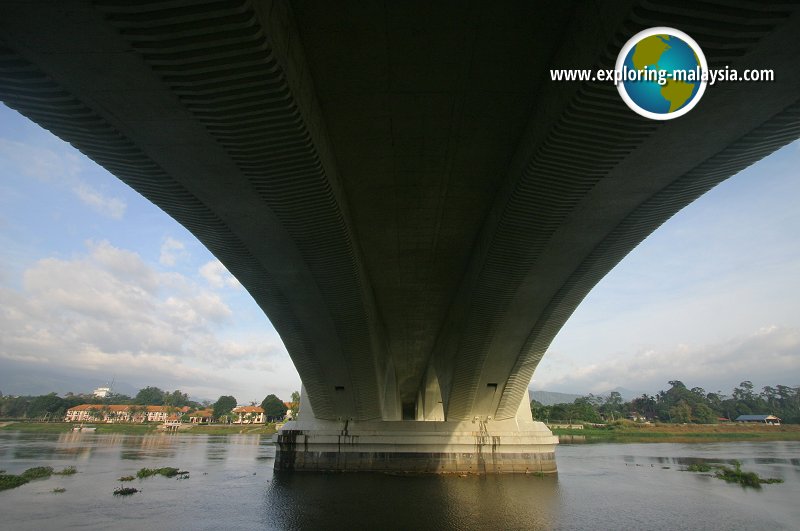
753 418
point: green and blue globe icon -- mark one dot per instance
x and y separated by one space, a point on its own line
662 73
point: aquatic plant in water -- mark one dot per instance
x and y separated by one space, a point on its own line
746 479
734 475
167 471
38 472
125 491
10 481
127 478
67 471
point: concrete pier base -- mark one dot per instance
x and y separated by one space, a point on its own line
517 445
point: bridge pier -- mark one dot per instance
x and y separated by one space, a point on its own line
479 446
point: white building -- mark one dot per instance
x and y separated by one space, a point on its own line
102 392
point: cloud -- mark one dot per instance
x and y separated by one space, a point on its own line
107 311
38 162
171 250
767 356
217 276
62 168
107 206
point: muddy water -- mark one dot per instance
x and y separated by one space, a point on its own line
232 486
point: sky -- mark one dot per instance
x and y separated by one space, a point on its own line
99 285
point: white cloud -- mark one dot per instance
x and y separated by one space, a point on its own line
217 276
109 311
171 250
62 168
767 356
38 162
107 206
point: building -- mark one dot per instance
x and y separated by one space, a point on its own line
249 415
123 413
202 416
102 392
291 409
759 419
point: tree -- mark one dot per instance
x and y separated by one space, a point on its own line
273 407
150 396
296 397
223 406
704 414
176 398
681 412
537 410
583 409
47 406
613 405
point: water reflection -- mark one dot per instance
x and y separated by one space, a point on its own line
305 501
147 446
217 448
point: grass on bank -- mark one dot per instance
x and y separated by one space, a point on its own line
624 431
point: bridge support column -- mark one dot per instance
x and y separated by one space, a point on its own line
517 445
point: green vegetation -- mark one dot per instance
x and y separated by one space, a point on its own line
223 407
125 491
678 405
733 475
127 478
38 472
67 471
628 432
218 429
49 410
59 427
10 481
167 472
59 490
53 407
746 479
273 407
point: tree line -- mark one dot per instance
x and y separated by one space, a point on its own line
54 407
679 404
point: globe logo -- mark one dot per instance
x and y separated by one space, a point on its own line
661 73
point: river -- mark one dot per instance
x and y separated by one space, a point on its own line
232 486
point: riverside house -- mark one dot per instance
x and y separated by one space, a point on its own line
249 415
202 416
123 413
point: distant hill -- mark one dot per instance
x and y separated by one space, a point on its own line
548 398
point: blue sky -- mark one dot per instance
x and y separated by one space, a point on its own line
97 283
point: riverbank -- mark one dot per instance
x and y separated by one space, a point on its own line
632 433
133 429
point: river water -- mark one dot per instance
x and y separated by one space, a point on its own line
232 486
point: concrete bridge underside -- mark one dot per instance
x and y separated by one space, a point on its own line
399 185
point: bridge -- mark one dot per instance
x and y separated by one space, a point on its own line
400 186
